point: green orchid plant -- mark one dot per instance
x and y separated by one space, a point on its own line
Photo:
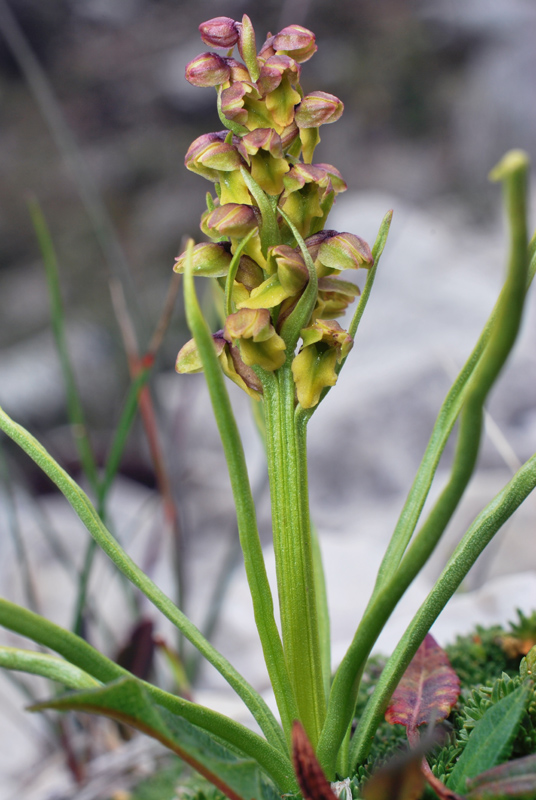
277 267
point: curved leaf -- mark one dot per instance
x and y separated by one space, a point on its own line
129 702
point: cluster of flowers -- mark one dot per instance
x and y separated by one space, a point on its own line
267 220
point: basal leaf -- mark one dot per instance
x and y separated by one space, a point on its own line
514 779
428 690
127 701
491 739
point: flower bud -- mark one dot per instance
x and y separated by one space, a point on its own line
233 220
260 345
291 269
232 102
263 151
219 32
249 273
334 297
295 41
318 108
274 70
337 181
240 373
209 260
324 344
207 69
210 154
189 360
344 251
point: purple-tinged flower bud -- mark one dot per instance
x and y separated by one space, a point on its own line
207 69
233 220
232 102
313 242
297 42
267 49
345 251
337 181
238 71
209 260
318 108
210 154
219 32
261 139
274 70
288 135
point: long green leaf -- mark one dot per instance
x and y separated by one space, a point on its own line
513 170
475 540
491 739
74 403
86 512
80 655
128 701
51 667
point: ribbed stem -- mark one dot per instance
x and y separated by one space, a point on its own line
294 552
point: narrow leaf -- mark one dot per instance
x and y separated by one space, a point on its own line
491 739
514 779
428 690
312 781
52 667
128 701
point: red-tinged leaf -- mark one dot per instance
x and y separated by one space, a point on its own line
516 778
311 779
400 779
428 690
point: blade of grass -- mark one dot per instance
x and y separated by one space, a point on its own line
149 420
74 404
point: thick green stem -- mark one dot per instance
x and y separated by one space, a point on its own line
294 552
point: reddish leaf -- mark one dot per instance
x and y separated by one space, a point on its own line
428 690
311 779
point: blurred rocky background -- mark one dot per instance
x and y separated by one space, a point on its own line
96 119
